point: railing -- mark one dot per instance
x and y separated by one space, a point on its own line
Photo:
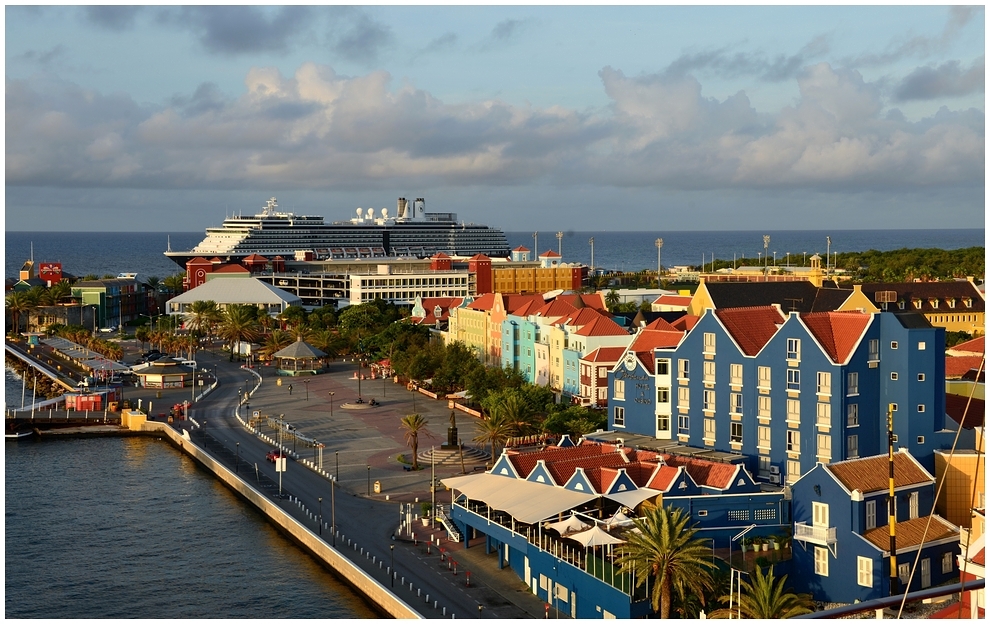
814 534
444 517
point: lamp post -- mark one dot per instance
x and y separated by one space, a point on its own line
591 241
333 510
536 245
369 480
766 244
775 259
391 564
320 501
359 362
331 404
560 248
336 464
237 466
659 244
306 384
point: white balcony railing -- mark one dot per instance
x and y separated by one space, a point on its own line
814 534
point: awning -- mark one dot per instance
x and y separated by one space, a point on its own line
571 525
631 498
525 501
595 537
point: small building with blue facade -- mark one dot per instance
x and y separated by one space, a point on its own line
842 533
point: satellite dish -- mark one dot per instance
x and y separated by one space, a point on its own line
371 213
359 211
553 294
385 213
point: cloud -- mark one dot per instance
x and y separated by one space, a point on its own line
723 63
443 43
949 79
241 29
112 17
43 57
357 37
317 129
919 46
504 33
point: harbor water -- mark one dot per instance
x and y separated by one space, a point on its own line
131 528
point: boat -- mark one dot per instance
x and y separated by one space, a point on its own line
412 232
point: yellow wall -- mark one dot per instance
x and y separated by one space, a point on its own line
956 500
701 300
952 319
525 280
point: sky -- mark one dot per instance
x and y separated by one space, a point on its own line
168 118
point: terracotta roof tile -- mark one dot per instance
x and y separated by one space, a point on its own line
686 322
956 367
706 473
660 324
550 253
640 472
837 332
580 318
439 256
672 300
524 462
663 478
520 248
955 408
648 340
602 326
979 558
910 533
484 302
976 345
870 474
556 308
751 328
231 268
526 308
605 354
563 469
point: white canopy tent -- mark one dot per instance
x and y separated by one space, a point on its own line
571 525
631 498
525 501
595 537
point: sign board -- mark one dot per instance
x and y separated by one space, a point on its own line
280 464
256 413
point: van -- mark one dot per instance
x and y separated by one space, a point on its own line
189 363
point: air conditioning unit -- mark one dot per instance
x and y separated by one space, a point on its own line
775 470
775 478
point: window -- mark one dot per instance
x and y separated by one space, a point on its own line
793 349
864 576
824 415
871 515
763 374
921 376
852 415
893 407
684 424
824 445
825 383
684 369
709 372
735 432
764 406
764 437
709 401
709 428
852 446
663 395
821 561
893 376
793 379
735 374
893 345
921 345
735 403
947 563
794 411
663 367
764 466
794 441
684 398
619 390
874 349
793 470
904 572
913 506
619 417
663 422
921 408
709 343
602 371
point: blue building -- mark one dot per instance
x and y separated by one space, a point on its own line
842 534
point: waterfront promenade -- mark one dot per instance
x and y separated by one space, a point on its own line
364 443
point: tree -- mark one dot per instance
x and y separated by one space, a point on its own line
494 431
239 323
17 303
173 283
275 342
612 299
142 334
203 316
765 598
666 552
414 424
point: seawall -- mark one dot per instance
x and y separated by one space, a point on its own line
377 594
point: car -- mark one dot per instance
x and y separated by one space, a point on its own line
274 454
108 330
147 353
154 356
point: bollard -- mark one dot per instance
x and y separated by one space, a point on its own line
434 604
427 599
418 593
445 611
455 568
467 582
410 586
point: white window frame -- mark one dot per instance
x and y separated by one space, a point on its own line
794 349
821 561
684 424
794 411
824 445
736 403
852 414
619 390
825 383
763 377
926 572
764 409
709 343
793 470
794 380
663 366
852 446
871 514
736 374
708 401
824 415
947 563
793 441
852 384
864 571
684 397
709 372
619 416
764 436
913 505
903 572
683 369
663 395
736 432
709 428
874 350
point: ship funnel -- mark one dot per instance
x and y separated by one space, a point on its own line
419 208
401 208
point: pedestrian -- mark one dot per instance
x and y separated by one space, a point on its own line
290 389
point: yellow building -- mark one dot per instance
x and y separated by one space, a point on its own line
954 305
532 278
957 498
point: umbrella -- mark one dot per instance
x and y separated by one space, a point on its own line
571 525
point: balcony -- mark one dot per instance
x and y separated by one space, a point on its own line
824 536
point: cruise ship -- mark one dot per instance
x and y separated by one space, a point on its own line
411 232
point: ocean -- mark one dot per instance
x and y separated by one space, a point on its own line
103 253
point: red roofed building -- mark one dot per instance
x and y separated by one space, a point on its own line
594 374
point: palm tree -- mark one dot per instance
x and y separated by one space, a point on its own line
612 299
765 598
494 430
202 316
239 323
666 552
275 342
142 334
173 283
17 303
414 424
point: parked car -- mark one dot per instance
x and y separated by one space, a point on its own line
147 353
274 454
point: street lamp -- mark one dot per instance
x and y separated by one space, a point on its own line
659 244
306 384
359 363
391 565
369 480
336 461
320 500
591 241
333 511
536 245
237 466
331 404
560 238
766 244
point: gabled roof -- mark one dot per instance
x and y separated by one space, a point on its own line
592 300
751 328
974 346
256 258
479 256
602 326
429 307
439 256
605 354
910 533
956 367
524 462
798 296
550 253
299 350
926 292
705 473
837 332
673 300
686 322
232 268
484 302
648 340
229 290
660 324
664 477
871 474
955 408
640 472
555 309
579 318
562 469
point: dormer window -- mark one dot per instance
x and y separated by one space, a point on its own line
934 303
951 302
968 302
917 304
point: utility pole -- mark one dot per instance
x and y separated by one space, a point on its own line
591 241
891 501
560 248
659 244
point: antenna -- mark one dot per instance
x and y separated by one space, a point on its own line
793 301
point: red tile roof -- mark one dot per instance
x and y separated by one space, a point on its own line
602 326
439 256
911 533
479 256
520 248
979 558
837 332
563 469
430 304
871 474
663 478
686 322
484 302
580 318
956 367
640 472
751 328
555 309
660 324
524 462
550 253
231 268
955 408
648 340
704 472
673 300
605 354
976 345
